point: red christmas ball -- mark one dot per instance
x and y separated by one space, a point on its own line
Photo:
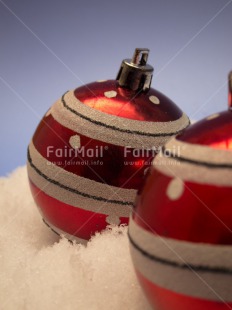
88 155
181 228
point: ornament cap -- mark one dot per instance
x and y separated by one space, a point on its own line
230 90
135 74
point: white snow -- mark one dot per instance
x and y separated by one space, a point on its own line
40 271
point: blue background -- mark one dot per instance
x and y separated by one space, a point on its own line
48 47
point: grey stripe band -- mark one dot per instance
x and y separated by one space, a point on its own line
191 172
184 281
82 119
112 200
215 257
199 153
197 283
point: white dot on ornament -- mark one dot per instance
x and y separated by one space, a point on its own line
154 99
100 81
75 141
110 94
175 189
212 116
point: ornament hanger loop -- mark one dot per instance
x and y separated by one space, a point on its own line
140 56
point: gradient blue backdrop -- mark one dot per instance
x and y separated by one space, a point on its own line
48 47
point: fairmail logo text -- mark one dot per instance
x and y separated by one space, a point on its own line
83 152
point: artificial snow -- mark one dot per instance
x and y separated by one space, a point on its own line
39 270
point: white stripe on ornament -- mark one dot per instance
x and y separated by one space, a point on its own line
196 254
199 153
75 115
78 201
145 127
197 270
78 191
192 172
206 285
85 185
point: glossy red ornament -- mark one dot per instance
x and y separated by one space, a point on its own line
181 228
88 155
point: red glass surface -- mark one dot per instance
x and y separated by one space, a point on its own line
127 103
113 168
163 299
215 132
202 214
74 221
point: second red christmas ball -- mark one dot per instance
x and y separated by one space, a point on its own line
181 228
